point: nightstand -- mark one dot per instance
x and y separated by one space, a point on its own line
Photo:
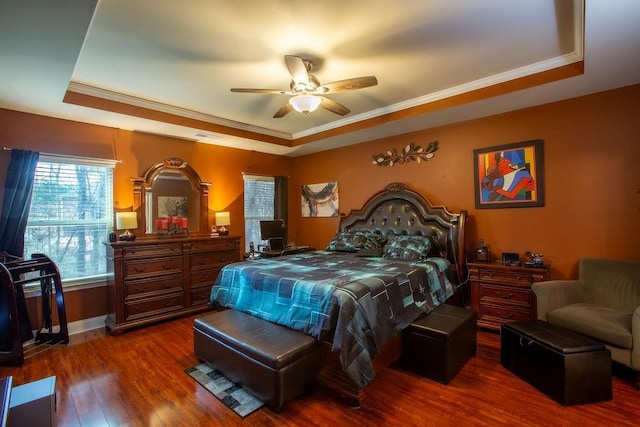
502 293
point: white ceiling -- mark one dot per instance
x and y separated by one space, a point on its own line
64 58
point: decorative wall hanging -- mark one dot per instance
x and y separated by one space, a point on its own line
320 200
509 176
409 153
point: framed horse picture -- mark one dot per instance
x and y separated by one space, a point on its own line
320 200
509 176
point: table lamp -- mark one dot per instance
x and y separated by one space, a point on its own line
222 220
127 221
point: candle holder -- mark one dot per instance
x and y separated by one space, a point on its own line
173 226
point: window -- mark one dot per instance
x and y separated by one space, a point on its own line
259 196
71 214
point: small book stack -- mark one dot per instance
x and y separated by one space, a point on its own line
214 232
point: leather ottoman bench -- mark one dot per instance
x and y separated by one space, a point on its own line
566 366
438 344
273 362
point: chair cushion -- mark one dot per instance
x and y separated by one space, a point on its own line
604 324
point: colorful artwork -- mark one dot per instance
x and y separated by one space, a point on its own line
320 200
509 175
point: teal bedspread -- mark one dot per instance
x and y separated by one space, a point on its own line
355 303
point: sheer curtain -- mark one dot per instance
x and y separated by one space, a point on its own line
13 222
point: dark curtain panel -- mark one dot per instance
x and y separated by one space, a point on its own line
13 222
281 200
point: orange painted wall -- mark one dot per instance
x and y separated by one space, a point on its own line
221 166
591 173
591 176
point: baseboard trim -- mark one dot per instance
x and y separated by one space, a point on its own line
84 325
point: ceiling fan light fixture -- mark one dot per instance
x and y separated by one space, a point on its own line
305 103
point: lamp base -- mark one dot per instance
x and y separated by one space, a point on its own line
127 236
223 231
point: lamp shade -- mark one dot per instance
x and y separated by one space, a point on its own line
223 218
126 220
305 103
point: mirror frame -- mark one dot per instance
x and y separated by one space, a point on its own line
144 184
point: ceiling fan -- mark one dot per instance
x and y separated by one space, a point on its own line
306 91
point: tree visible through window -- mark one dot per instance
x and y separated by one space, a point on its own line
259 195
71 214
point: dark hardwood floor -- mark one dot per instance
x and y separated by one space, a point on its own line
137 379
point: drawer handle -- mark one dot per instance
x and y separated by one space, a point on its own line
167 285
201 262
143 289
167 266
140 269
505 296
168 304
506 316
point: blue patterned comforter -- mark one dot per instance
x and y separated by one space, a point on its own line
356 303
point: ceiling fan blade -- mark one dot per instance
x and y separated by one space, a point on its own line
283 111
249 90
348 84
297 69
334 107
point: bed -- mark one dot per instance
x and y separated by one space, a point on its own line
390 262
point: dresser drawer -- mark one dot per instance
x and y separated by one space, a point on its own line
213 259
200 296
215 244
153 286
153 306
497 315
142 268
505 276
204 277
504 295
147 251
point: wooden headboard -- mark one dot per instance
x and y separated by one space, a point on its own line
399 210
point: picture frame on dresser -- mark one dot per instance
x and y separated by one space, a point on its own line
509 176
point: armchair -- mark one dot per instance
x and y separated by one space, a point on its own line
603 303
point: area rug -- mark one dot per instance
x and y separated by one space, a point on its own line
234 396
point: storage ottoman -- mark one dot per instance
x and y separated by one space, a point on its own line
438 344
566 366
273 362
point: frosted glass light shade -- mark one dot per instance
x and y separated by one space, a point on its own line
305 103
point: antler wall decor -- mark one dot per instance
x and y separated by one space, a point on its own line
409 153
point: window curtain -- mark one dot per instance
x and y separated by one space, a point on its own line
281 200
13 223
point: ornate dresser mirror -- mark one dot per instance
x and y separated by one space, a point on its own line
171 198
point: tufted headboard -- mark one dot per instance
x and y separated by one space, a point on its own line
399 210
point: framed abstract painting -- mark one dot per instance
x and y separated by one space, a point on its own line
509 176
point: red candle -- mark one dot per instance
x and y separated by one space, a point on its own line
183 222
159 224
175 219
165 224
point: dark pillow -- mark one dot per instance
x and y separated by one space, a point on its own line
410 248
352 241
371 252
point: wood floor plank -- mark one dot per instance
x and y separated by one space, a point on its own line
138 379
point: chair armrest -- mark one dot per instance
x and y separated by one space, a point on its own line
555 294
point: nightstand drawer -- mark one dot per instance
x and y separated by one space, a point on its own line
505 276
504 295
496 315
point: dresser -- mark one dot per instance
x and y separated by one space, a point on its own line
150 280
502 293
